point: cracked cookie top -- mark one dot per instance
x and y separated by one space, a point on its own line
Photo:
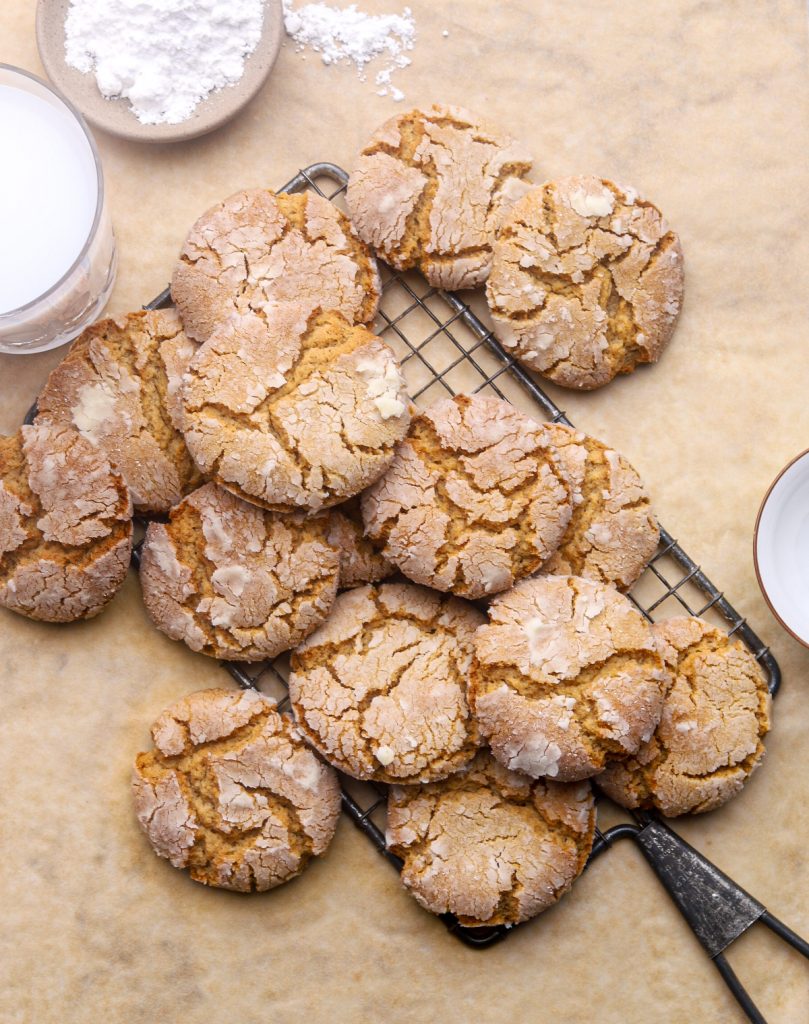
380 688
430 189
65 525
566 677
118 386
232 793
612 532
586 281
236 582
489 845
294 411
710 737
257 250
474 500
360 561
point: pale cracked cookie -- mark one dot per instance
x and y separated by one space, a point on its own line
65 525
257 250
475 499
430 189
710 737
232 793
292 411
586 281
380 688
566 676
490 846
360 561
612 532
236 582
119 387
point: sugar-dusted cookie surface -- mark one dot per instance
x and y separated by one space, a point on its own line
234 581
294 411
566 676
380 688
710 737
118 386
474 500
430 188
586 281
65 525
490 846
232 793
360 560
257 250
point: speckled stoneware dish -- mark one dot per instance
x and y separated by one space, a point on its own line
781 548
116 116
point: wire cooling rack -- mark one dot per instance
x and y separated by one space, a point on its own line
444 348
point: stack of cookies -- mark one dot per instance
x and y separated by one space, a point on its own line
267 435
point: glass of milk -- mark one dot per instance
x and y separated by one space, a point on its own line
57 250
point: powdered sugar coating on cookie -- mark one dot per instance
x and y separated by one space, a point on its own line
231 792
489 845
65 525
360 561
474 500
380 688
710 737
236 582
429 191
566 676
258 250
586 281
291 411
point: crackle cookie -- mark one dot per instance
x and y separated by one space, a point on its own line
586 281
710 737
291 411
612 532
236 582
566 677
489 845
430 189
232 793
380 688
65 525
474 500
360 561
257 250
118 386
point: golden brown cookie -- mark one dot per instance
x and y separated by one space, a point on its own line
474 500
566 677
710 737
586 281
380 688
231 792
65 525
258 250
236 582
489 845
294 411
118 386
360 561
430 189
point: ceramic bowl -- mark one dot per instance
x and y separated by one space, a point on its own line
781 548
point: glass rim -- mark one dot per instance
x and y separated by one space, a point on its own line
72 109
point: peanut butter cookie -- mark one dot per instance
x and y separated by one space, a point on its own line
290 411
118 386
360 561
710 737
231 792
566 676
489 845
65 525
236 582
586 281
430 189
257 250
475 498
380 688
